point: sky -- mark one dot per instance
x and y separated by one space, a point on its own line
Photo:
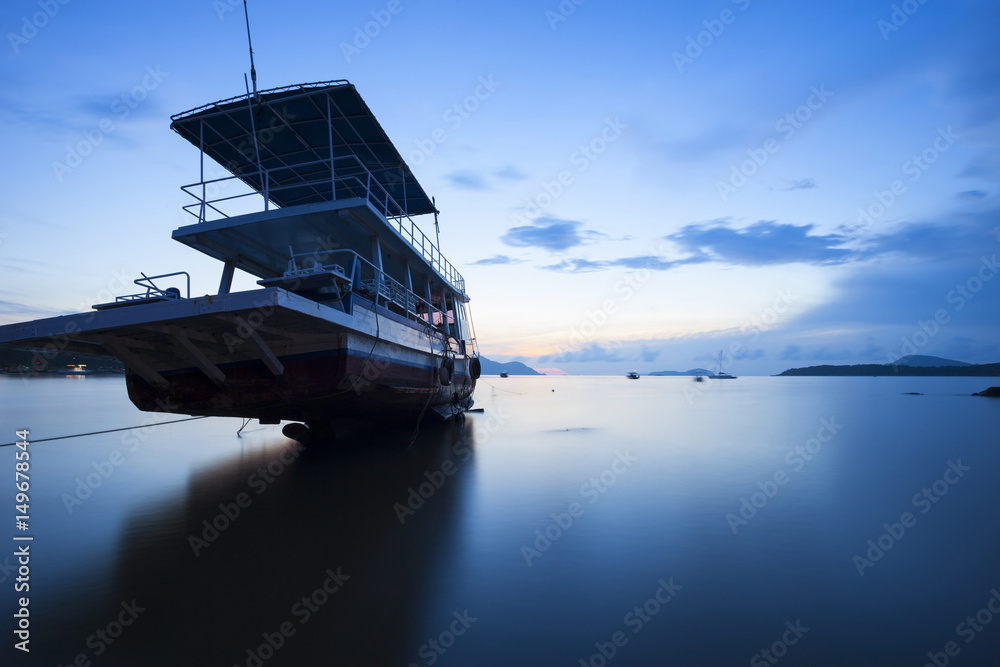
729 184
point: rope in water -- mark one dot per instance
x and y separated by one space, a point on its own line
519 393
110 430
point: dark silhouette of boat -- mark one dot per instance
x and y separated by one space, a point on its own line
358 315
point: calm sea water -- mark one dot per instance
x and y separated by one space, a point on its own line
577 521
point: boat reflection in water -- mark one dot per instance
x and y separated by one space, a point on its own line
329 560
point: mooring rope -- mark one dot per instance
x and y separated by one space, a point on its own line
110 430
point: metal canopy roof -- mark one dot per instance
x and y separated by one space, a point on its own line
294 126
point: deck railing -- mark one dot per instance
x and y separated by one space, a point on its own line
154 292
345 174
370 282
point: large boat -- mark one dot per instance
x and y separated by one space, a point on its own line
358 314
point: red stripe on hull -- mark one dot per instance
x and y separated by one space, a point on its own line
317 389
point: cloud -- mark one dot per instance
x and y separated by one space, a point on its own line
961 235
468 179
984 165
510 173
649 262
972 195
13 311
592 352
648 354
704 144
804 184
577 266
550 233
763 243
496 259
770 243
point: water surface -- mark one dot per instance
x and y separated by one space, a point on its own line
593 520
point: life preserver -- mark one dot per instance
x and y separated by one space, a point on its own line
446 371
475 368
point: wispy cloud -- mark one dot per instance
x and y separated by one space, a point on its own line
550 233
984 165
650 262
496 259
972 195
510 173
592 352
804 184
577 266
468 179
704 144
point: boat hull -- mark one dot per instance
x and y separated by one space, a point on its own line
271 355
329 385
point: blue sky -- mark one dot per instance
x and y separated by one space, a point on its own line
624 185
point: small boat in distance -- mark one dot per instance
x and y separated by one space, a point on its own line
719 373
632 375
503 374
75 369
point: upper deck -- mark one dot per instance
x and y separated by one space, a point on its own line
307 149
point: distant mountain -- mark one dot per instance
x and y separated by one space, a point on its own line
870 370
693 371
491 367
920 360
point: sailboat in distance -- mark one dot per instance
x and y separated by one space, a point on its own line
719 373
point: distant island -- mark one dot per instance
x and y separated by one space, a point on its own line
693 371
925 360
491 367
913 365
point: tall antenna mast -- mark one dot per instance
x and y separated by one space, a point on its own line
437 229
253 72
